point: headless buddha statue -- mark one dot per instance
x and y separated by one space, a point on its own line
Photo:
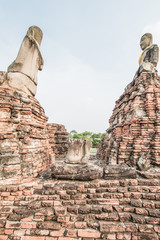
22 73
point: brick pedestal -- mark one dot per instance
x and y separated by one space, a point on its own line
24 144
134 130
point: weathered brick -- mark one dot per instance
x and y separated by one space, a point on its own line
123 236
107 208
3 237
146 228
8 231
72 209
49 225
136 203
111 227
27 219
141 211
33 238
84 210
131 227
42 232
34 205
14 225
138 218
154 212
60 211
71 233
28 225
14 217
125 217
57 233
152 220
47 203
89 233
63 219
19 232
147 236
80 225
157 229
68 202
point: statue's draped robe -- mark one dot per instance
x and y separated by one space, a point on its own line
29 59
149 59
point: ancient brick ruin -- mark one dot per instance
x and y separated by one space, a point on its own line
24 143
42 197
134 125
33 208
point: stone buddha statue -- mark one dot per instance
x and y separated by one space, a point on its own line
149 57
22 73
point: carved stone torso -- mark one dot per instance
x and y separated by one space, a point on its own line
150 54
22 73
29 60
78 151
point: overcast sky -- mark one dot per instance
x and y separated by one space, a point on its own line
90 50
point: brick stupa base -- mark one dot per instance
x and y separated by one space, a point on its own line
24 143
134 132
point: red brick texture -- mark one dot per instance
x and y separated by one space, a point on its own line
24 143
66 210
58 139
134 130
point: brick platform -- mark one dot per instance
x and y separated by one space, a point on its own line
66 210
134 130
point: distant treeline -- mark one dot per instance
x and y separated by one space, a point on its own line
94 138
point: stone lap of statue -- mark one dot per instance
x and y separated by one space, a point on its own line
78 151
149 57
22 73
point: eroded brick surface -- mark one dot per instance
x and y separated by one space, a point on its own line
58 139
24 142
134 130
113 209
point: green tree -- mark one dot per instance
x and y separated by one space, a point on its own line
94 138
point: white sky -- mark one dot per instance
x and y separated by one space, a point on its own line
90 50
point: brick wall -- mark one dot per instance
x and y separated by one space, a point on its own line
58 139
24 143
66 210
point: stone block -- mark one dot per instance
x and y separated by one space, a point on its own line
63 170
119 172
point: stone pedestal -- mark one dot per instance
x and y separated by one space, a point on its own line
119 172
24 143
76 165
82 172
134 132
